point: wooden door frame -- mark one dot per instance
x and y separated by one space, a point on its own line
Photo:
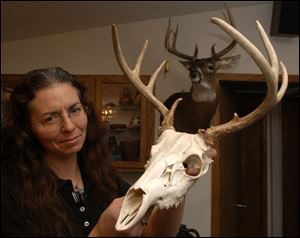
290 166
216 168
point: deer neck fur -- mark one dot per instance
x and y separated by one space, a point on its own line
204 91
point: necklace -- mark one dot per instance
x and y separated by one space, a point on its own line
77 186
78 191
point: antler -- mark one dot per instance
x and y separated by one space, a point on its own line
172 49
233 42
147 91
271 73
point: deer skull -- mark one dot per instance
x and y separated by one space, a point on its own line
164 181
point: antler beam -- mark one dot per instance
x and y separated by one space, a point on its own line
233 42
172 47
134 77
270 71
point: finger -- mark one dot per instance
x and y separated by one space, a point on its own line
211 153
116 206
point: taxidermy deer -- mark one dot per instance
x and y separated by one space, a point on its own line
201 102
165 181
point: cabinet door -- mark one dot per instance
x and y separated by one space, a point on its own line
8 81
7 84
90 82
130 118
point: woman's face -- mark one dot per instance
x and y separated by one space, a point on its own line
58 119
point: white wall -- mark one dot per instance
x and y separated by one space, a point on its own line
90 52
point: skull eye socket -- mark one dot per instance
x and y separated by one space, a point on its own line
193 165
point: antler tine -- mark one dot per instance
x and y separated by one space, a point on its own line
134 77
233 42
173 49
271 73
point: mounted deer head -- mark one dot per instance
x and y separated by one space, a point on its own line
165 182
203 68
201 102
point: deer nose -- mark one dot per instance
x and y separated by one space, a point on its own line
193 73
196 78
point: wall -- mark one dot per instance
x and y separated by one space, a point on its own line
90 52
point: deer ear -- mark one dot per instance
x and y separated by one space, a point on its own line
227 62
186 64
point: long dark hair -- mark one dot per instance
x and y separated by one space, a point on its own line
22 154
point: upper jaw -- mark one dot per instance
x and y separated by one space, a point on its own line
136 204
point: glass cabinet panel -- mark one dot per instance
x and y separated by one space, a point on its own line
121 110
130 119
7 85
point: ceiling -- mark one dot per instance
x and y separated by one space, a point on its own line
27 19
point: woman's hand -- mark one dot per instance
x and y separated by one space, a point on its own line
211 153
106 223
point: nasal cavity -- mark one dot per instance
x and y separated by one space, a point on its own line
192 165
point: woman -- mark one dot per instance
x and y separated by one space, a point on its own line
56 176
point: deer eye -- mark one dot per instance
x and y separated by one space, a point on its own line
211 67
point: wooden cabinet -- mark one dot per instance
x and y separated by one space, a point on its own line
7 84
90 83
130 118
128 115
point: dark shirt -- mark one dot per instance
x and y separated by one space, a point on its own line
83 211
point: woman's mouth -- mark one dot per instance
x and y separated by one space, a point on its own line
71 141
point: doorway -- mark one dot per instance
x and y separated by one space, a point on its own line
240 173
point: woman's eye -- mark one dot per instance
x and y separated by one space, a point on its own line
78 109
50 119
75 110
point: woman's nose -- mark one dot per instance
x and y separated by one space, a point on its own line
67 124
